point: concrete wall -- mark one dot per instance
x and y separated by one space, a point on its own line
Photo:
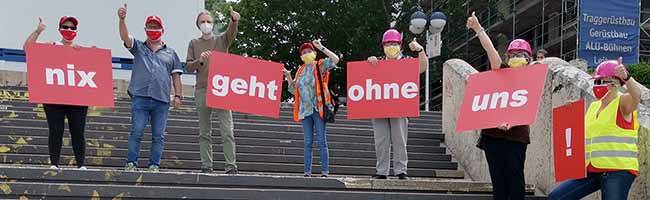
565 83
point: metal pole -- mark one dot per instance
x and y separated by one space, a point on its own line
426 88
562 30
514 18
543 16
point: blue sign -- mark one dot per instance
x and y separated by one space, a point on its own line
609 29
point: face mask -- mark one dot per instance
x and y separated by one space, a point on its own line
392 51
68 35
154 35
308 58
206 28
600 91
517 62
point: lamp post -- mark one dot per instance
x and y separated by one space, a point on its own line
435 23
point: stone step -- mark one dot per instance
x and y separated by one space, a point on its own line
184 156
216 136
123 127
190 113
68 178
172 145
122 117
92 136
92 161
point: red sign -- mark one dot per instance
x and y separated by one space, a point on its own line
244 84
508 95
390 89
59 74
569 141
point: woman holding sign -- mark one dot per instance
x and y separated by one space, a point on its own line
308 105
505 146
611 131
57 114
393 132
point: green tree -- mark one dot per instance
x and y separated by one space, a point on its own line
274 29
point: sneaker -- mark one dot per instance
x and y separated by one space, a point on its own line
232 171
323 176
403 176
377 176
83 168
154 168
130 167
207 170
54 167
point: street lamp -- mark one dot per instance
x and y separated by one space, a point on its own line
436 23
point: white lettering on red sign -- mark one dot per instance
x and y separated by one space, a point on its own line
222 85
374 91
86 78
500 100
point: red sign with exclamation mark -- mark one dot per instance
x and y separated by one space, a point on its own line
569 141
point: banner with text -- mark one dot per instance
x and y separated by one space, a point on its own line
70 76
244 84
608 30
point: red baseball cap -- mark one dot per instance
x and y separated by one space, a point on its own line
66 18
154 18
306 45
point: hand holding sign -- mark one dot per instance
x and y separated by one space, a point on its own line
244 84
568 141
382 91
502 99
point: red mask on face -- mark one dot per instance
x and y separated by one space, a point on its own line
600 91
154 35
68 35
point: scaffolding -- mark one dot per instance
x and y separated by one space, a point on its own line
555 28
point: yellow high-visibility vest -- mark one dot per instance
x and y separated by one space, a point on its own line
607 145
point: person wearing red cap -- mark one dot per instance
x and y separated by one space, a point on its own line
310 102
57 114
505 146
198 56
392 133
155 68
611 133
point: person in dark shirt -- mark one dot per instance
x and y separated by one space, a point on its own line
505 146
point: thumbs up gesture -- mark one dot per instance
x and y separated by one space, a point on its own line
472 22
121 13
415 46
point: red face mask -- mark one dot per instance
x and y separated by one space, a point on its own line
600 91
154 35
68 35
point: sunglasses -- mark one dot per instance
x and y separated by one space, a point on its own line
66 27
602 82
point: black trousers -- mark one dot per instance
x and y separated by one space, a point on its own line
506 164
56 115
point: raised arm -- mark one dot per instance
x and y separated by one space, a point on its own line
335 59
124 31
486 43
422 56
34 35
630 100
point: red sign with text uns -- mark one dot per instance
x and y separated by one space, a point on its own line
569 141
508 95
390 89
70 76
244 84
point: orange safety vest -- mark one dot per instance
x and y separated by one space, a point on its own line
325 79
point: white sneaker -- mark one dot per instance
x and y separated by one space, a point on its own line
54 167
83 168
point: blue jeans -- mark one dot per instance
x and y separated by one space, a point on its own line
144 109
614 185
308 125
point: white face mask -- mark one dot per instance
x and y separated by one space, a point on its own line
206 28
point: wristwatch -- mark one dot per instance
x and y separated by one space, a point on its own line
179 96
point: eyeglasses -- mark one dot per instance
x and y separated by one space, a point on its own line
518 55
603 82
66 27
539 57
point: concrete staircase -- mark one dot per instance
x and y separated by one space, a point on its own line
269 154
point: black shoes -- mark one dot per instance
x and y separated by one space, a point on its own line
232 171
403 176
